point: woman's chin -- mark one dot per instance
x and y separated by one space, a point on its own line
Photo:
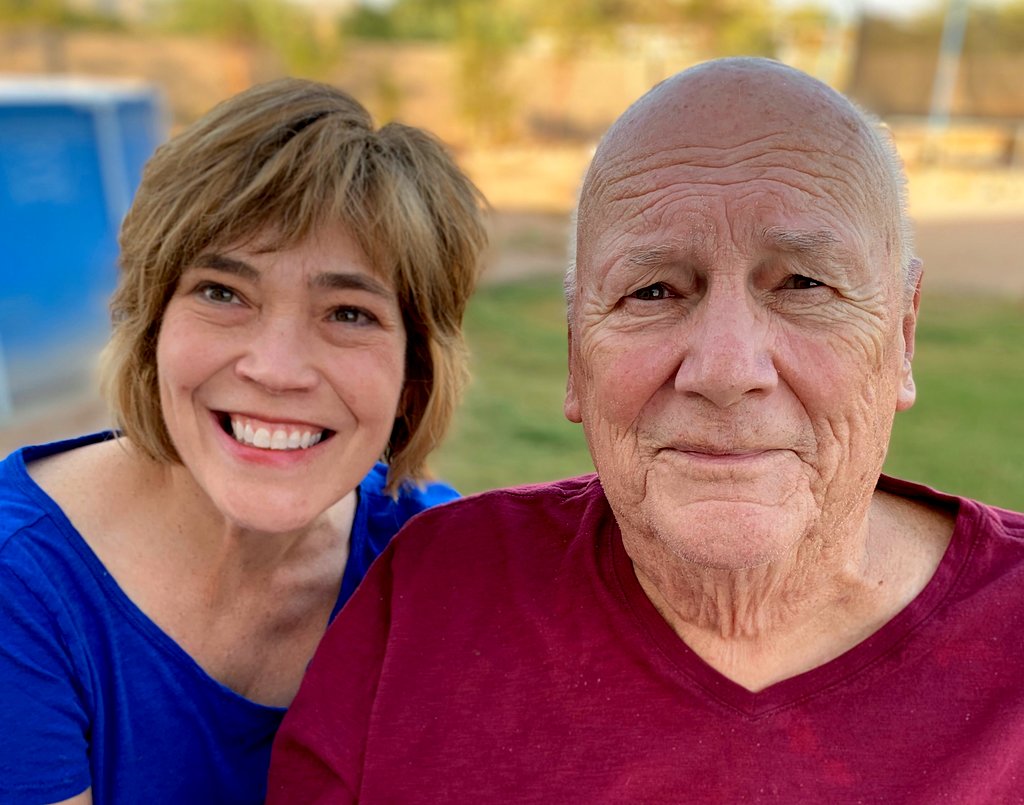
270 513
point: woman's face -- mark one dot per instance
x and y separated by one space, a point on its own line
280 374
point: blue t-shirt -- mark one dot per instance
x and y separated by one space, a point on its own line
93 693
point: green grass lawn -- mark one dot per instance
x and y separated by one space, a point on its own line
510 429
964 435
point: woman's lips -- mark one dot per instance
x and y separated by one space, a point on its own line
268 434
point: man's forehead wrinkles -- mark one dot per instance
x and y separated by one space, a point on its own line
632 156
670 175
691 201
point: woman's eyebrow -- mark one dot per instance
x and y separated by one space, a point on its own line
330 280
229 265
346 281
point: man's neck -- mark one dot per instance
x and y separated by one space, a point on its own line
758 626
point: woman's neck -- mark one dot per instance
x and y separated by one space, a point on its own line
226 549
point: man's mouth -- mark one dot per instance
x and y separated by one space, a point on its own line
272 435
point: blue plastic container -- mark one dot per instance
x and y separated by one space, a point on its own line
71 156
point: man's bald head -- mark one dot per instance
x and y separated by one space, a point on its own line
707 114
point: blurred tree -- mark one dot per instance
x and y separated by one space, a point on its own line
577 24
370 22
730 27
389 96
662 29
47 23
574 28
426 19
307 44
724 26
484 34
289 31
486 38
227 19
56 14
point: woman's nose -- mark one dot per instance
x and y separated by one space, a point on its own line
278 357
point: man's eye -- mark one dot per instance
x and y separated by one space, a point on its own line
218 294
651 293
798 282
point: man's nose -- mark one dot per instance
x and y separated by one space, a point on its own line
727 356
278 356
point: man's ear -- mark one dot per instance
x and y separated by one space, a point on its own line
572 401
908 391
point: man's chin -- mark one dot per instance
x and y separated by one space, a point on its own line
728 534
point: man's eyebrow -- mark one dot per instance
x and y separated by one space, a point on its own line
822 243
651 256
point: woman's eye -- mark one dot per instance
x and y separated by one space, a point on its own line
352 315
218 294
798 282
651 292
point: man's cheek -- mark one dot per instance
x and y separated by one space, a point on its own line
618 403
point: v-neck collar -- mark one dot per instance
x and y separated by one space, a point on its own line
839 671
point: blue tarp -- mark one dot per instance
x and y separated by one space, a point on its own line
71 156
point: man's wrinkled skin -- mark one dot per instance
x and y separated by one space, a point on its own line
741 336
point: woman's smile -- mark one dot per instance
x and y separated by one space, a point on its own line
272 435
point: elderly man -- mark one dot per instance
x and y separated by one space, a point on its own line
737 606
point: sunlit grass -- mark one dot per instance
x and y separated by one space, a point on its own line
511 429
965 435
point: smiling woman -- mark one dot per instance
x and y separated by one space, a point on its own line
286 352
319 345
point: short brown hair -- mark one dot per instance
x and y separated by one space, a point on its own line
287 157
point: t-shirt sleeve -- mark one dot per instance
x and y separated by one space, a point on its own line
319 751
43 721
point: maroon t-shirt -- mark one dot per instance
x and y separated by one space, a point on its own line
502 649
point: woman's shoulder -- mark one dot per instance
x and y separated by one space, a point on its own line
48 494
379 514
49 591
28 509
412 497
62 467
40 548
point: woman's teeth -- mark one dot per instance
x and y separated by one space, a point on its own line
279 438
